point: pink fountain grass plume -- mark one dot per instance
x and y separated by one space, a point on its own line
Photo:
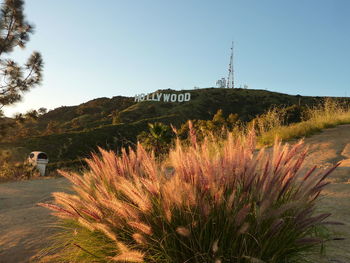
218 195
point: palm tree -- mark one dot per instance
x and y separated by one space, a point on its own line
157 139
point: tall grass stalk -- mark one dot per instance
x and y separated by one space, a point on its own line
215 201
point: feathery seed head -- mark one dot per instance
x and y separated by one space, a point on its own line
183 231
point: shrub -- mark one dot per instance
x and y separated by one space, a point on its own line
294 114
329 109
273 118
218 201
11 170
217 126
158 139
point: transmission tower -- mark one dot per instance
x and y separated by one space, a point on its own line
230 84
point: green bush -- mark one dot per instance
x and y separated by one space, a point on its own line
294 114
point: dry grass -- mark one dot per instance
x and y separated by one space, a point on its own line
329 113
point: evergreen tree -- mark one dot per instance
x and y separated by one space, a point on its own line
42 111
14 32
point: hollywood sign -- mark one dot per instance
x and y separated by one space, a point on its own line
165 97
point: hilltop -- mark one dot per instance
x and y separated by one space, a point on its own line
69 133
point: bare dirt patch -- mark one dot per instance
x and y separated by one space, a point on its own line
326 149
23 225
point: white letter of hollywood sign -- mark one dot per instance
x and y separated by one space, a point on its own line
165 97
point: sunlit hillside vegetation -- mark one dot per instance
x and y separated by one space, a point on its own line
102 112
122 122
37 127
328 113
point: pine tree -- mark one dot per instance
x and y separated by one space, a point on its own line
15 32
42 111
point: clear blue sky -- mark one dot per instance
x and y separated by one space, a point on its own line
106 48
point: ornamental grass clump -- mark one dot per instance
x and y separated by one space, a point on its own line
215 201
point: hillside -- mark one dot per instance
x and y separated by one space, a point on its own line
93 113
68 133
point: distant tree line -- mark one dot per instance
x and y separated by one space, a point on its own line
160 137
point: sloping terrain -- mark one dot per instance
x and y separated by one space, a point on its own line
69 133
203 105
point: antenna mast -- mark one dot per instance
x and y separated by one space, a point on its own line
230 84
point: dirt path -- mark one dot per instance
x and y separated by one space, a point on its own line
326 149
23 225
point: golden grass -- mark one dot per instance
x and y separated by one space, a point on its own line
329 113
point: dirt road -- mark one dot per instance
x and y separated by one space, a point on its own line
23 225
326 149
